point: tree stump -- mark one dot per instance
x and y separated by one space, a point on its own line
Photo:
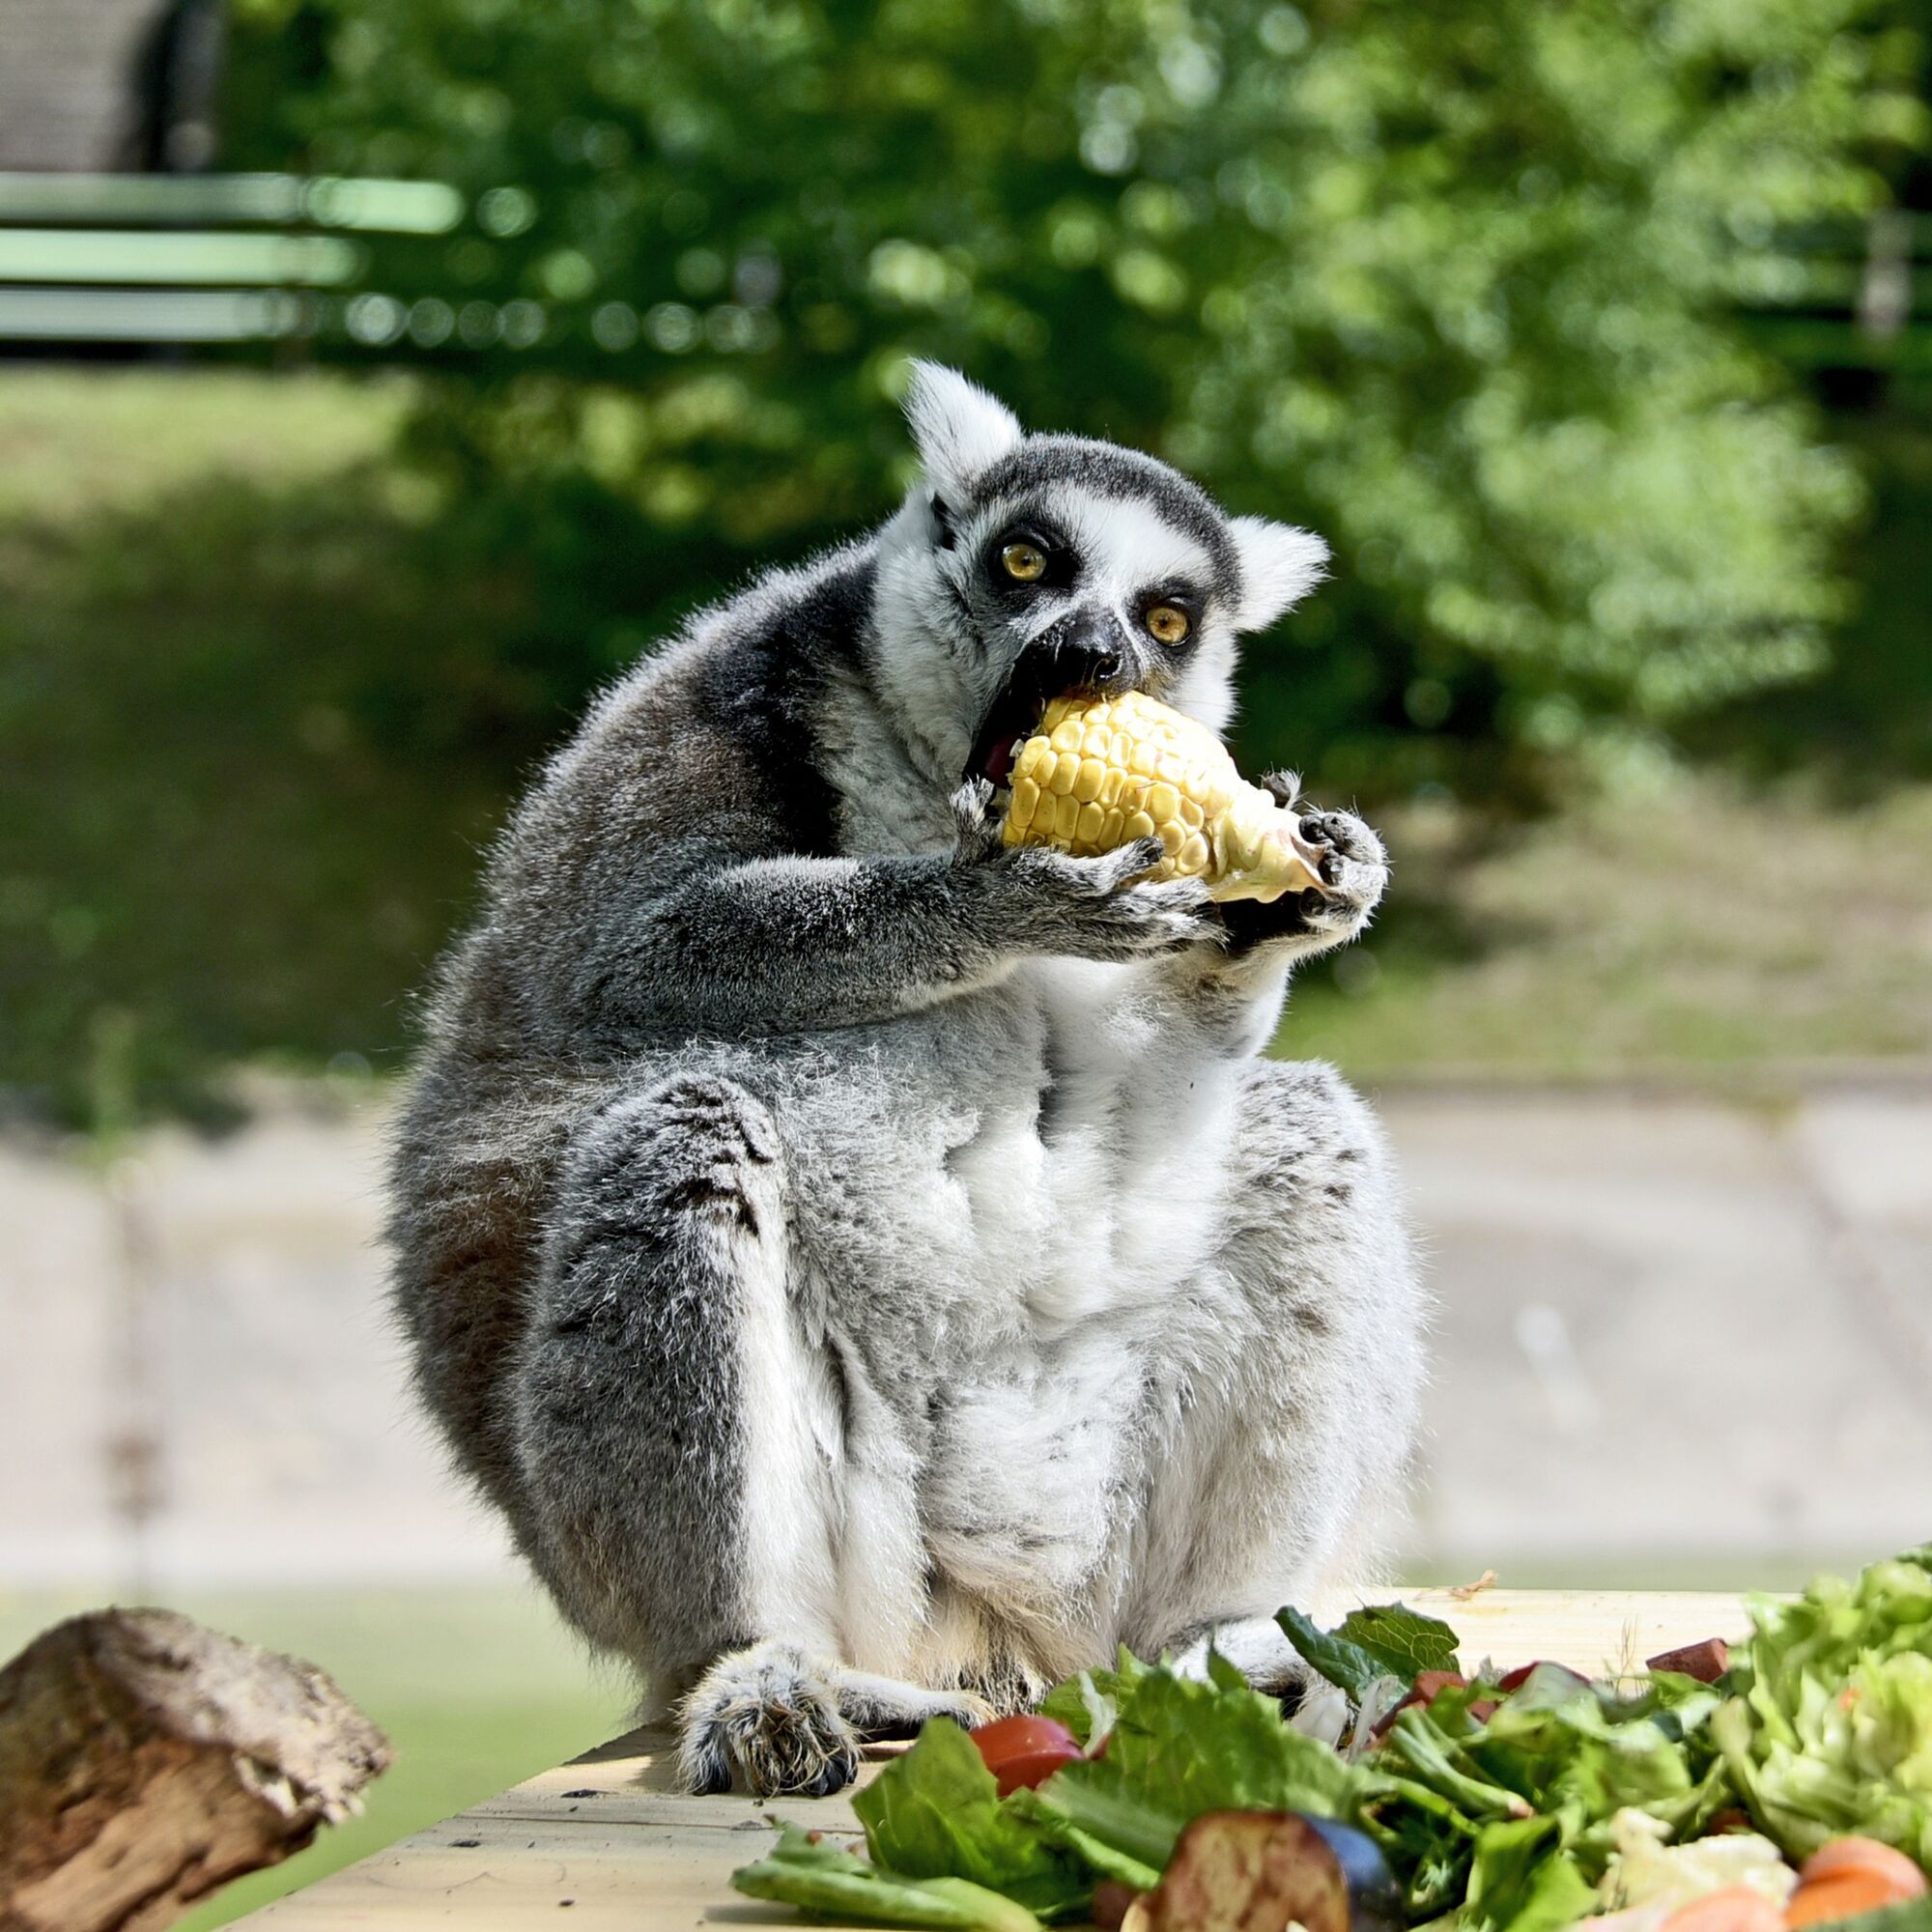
145 1761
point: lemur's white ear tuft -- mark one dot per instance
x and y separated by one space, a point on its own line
1280 565
958 429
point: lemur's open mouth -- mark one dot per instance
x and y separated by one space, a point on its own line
1066 663
1014 715
1008 723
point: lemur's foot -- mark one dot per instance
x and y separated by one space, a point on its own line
769 1717
1257 1648
882 1707
782 1723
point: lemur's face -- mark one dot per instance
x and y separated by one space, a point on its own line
1042 565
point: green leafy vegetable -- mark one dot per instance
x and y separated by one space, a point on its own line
821 1878
1496 1813
937 1813
1345 1664
1181 1748
1428 1841
1402 1640
1832 1732
1087 1704
1914 1916
1523 1880
1573 1753
1432 1757
1383 1641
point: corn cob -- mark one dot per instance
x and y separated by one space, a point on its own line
1099 772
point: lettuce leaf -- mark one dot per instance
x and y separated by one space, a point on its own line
1914 1917
1383 1641
1573 1753
1345 1664
1403 1641
1180 1747
1089 1704
1523 1880
1831 1731
936 1812
820 1878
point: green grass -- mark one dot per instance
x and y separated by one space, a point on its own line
1704 931
475 1687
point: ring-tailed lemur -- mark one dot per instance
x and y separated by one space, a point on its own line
875 1270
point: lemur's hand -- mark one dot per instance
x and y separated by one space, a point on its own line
1354 875
1045 903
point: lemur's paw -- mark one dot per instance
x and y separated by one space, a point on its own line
1257 1649
767 1717
1091 908
1354 869
882 1707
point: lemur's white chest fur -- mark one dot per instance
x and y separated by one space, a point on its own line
1081 1178
1091 1170
1096 1183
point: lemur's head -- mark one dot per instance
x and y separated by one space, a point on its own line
1024 566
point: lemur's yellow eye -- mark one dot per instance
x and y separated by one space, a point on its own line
1168 625
1024 562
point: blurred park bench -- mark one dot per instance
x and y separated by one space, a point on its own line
266 259
197 259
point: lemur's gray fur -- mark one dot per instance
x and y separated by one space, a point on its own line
875 1270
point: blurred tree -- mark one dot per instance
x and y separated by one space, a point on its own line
1451 283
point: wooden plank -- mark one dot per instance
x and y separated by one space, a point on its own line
609 1840
1593 1631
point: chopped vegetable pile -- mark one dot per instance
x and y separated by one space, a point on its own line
1784 1787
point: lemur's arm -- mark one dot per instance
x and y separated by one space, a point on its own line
700 941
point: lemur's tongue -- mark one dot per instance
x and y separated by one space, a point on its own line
999 766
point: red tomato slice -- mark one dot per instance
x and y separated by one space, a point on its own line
1034 1769
1024 1750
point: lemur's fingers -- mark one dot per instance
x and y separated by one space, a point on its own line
972 813
1094 878
1147 921
768 1717
1354 871
1345 836
1284 787
882 1707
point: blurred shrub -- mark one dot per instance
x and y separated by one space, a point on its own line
1451 282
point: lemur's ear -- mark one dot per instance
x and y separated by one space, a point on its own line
1280 565
957 428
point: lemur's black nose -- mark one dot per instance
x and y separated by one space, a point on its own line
1089 652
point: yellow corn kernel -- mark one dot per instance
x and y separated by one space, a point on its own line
1102 771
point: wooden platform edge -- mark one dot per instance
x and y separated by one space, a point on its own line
607 1837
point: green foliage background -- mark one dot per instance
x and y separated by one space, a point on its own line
1482 290
1456 284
